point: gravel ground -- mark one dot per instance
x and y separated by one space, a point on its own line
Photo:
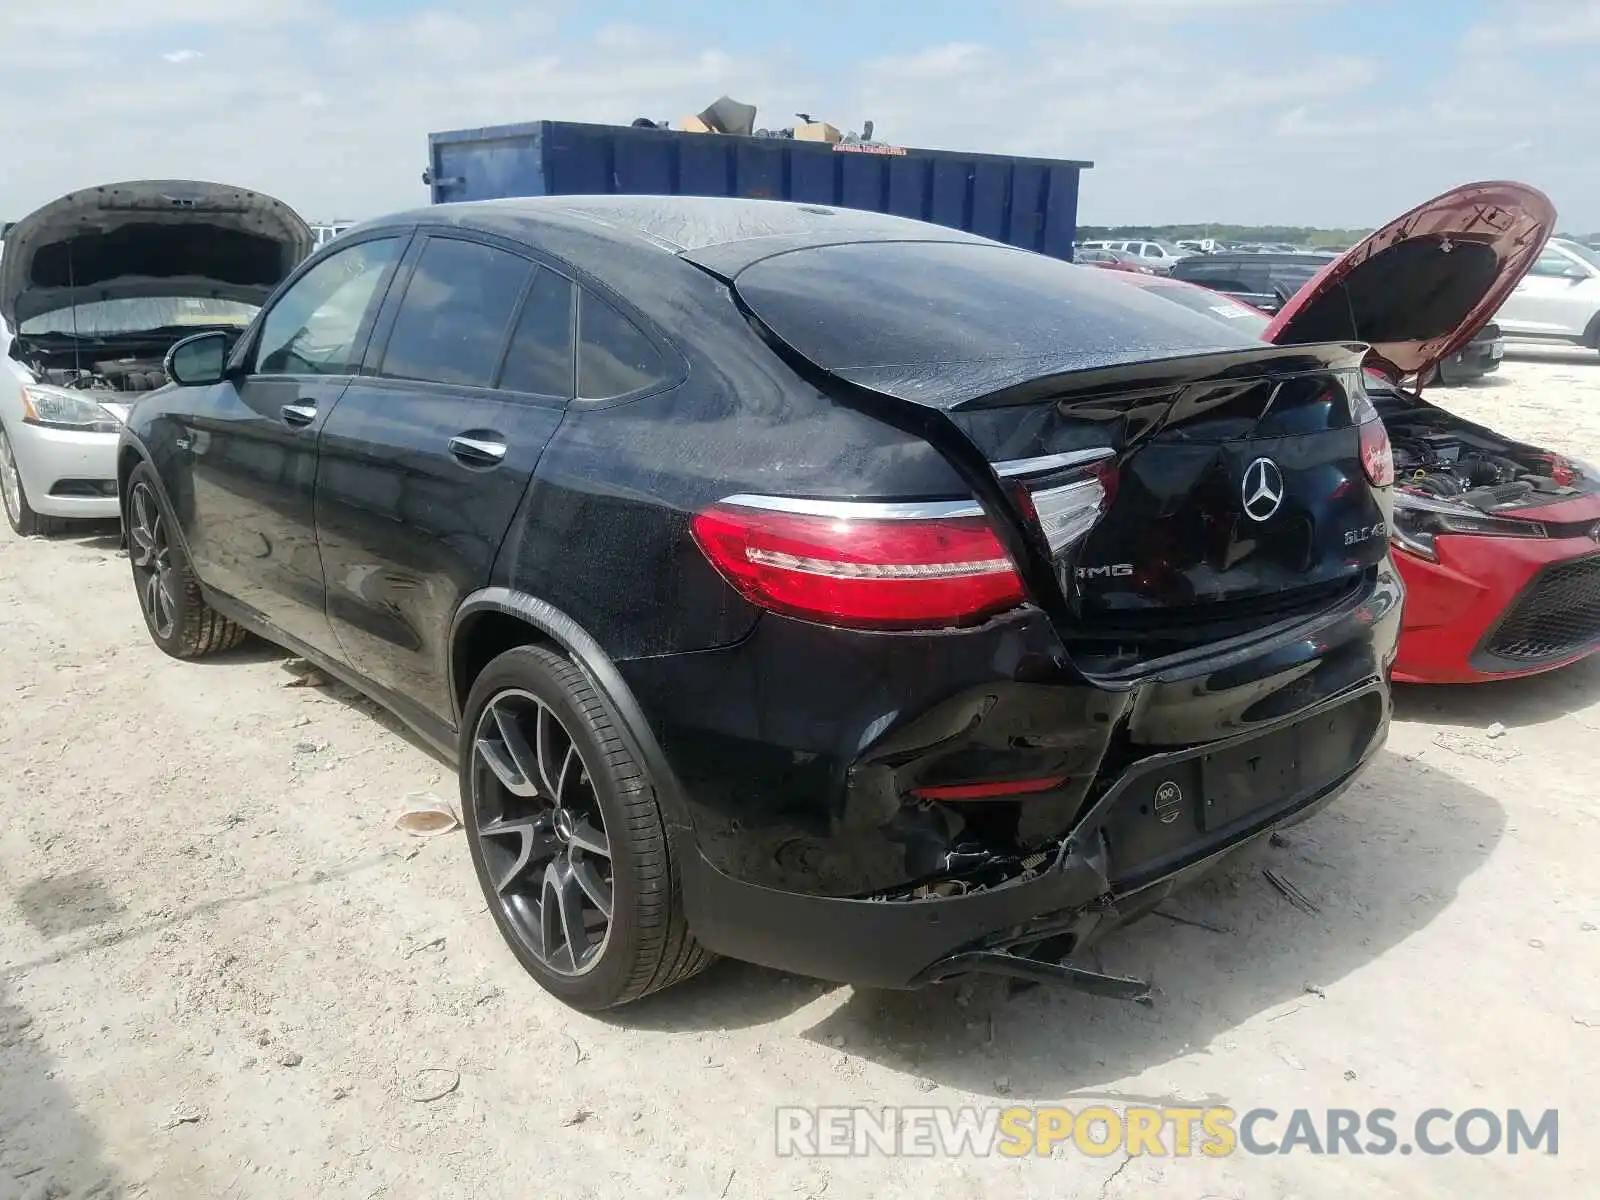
223 973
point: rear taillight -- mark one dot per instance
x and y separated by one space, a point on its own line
871 566
1376 458
1067 509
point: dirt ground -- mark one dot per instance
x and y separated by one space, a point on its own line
223 973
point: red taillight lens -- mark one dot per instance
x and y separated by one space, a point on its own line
1377 460
862 571
988 791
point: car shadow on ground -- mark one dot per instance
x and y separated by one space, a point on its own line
49 1147
91 535
1512 702
1378 865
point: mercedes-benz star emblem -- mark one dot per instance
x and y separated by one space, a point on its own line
1263 489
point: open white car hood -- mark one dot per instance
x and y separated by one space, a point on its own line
149 238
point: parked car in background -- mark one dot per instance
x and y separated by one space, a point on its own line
94 289
1160 255
1264 279
590 474
1498 541
1479 357
1111 260
1558 299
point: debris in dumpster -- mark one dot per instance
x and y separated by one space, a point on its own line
818 131
425 815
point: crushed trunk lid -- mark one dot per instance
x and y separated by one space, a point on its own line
1231 471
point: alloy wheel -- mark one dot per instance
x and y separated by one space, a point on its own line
151 553
541 833
10 481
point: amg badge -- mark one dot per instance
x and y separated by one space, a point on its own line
1108 571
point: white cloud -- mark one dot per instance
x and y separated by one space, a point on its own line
1191 124
1537 24
76 18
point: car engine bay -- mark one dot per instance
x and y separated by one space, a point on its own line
1442 456
134 374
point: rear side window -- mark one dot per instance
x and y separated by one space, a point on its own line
458 306
540 357
615 358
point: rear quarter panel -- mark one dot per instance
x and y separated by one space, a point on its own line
603 531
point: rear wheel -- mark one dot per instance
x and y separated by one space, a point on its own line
566 837
14 497
177 615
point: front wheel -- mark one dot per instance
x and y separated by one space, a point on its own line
176 613
20 516
567 838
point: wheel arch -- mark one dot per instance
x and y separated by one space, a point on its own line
493 620
129 456
1591 335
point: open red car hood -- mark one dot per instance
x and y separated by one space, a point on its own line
1421 287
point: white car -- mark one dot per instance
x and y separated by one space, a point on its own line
1159 255
1558 299
94 289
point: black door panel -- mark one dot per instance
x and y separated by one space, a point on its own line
252 441
409 524
423 466
252 482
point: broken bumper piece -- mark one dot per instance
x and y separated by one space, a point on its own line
1120 862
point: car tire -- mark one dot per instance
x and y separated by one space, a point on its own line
175 611
567 839
20 516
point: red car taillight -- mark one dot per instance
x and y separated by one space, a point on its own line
848 564
1377 460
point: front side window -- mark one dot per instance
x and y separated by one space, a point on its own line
314 326
457 309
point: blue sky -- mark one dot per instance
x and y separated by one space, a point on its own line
1297 111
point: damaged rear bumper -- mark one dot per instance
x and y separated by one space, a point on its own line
1169 818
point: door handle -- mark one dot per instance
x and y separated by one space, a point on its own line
477 452
298 414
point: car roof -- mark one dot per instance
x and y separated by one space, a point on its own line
727 233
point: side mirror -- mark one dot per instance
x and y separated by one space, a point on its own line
199 360
1575 273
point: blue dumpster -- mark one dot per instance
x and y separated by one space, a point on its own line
1027 202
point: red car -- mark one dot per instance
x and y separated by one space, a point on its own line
1111 260
1498 542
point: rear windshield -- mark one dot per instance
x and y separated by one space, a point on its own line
920 304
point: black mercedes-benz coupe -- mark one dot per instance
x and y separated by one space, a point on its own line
823 589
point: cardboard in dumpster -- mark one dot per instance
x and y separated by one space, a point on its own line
817 131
